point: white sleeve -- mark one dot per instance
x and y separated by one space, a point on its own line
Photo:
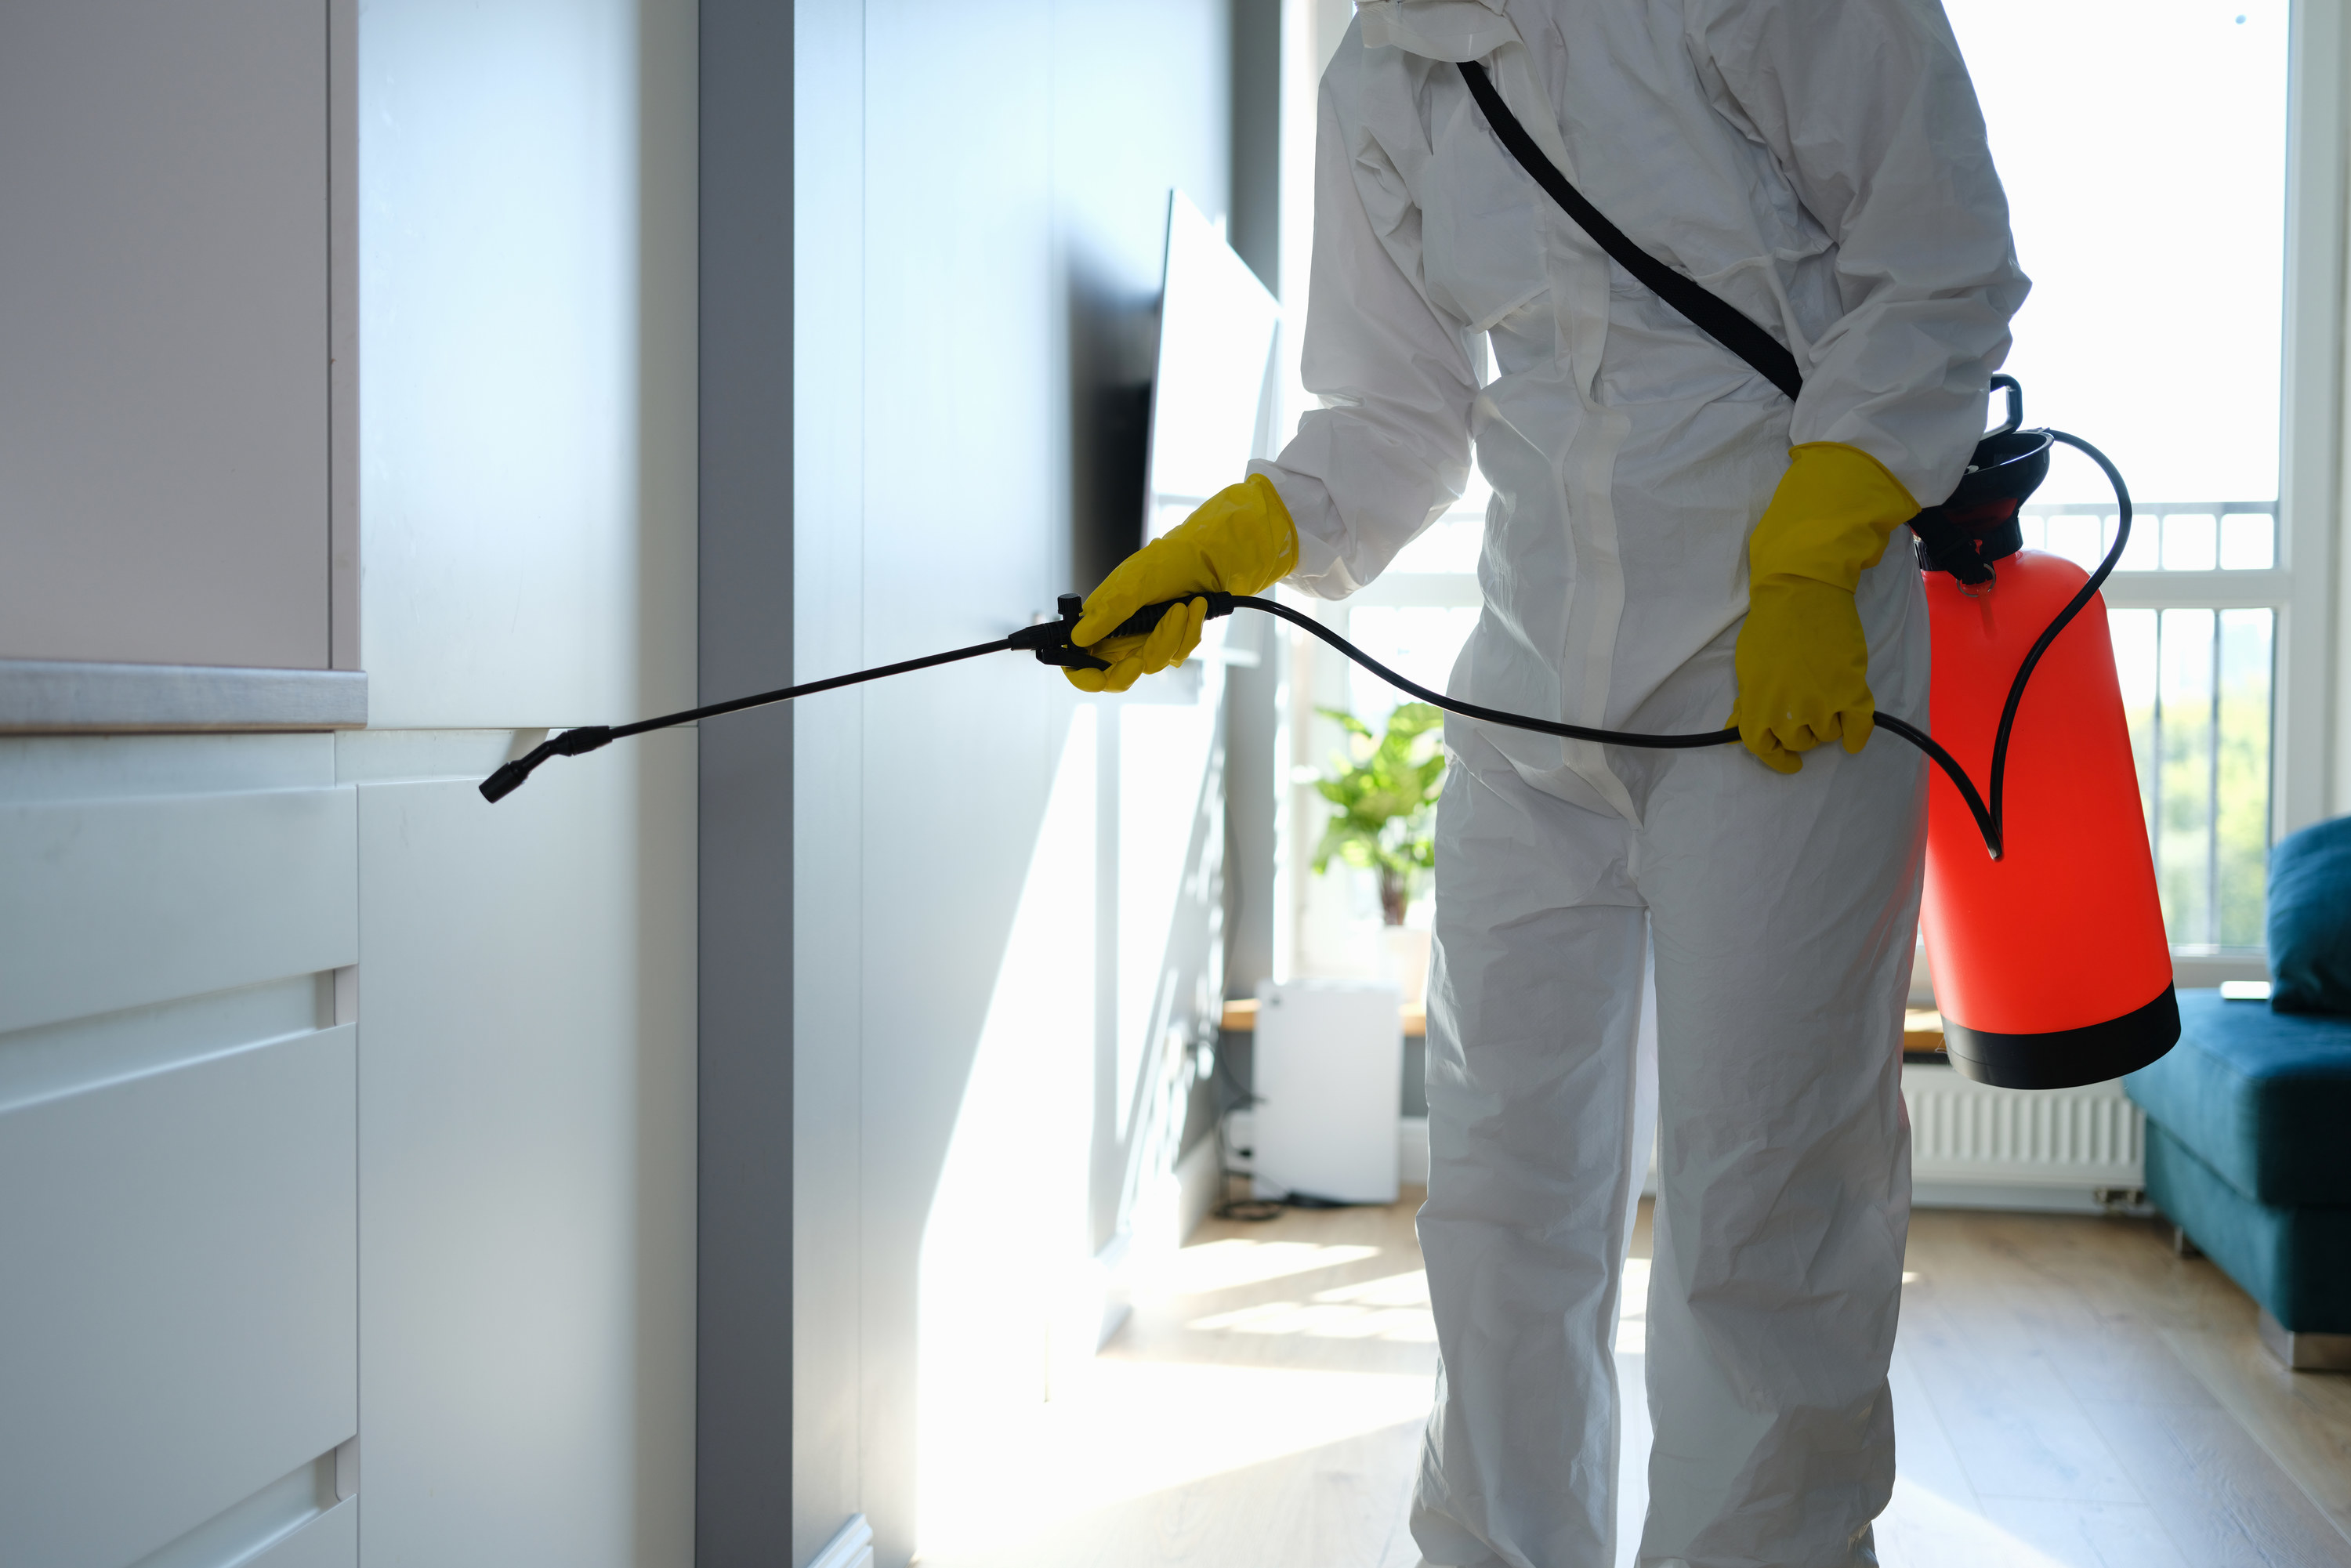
1867 106
1389 448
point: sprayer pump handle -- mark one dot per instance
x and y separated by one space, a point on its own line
1150 615
1050 640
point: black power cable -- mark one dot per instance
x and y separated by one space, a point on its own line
1050 642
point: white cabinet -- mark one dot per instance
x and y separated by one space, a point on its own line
164 330
179 1340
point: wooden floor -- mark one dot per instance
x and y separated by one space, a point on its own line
2067 1394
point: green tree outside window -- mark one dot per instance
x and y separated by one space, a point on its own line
1385 793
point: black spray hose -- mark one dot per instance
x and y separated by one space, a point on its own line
596 737
1915 736
1990 822
1049 641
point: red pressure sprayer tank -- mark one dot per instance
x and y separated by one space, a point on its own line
2051 964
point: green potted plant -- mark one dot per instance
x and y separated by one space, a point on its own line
1385 793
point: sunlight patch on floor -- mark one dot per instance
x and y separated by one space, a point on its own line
1208 1266
1139 1428
1238 1356
1921 1529
1395 1307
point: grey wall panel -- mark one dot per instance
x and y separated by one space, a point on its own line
177 1314
962 494
743 1409
526 399
527 1159
1256 229
110 903
983 299
163 333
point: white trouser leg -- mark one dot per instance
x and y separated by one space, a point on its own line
1783 912
1534 996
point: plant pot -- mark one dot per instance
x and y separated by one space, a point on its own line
1405 960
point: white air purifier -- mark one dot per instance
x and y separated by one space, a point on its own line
1330 1090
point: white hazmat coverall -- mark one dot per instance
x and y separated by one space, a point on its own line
1822 164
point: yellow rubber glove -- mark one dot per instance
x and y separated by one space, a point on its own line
1803 661
1241 540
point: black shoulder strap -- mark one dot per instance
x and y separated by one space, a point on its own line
1713 315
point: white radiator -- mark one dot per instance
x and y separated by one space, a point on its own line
1978 1147
2070 1150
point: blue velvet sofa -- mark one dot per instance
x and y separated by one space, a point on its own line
2249 1152
2249 1117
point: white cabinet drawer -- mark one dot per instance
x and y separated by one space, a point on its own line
106 904
178 1295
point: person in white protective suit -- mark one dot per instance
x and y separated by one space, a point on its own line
1671 540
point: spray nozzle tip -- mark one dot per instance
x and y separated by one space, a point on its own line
505 781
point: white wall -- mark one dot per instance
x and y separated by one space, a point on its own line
347 1140
525 989
525 1142
1005 894
526 375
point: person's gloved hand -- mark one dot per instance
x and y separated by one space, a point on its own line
1803 661
1241 540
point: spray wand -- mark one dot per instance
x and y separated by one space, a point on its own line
1050 642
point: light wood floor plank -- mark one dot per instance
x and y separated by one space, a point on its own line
2302 1419
2019 1431
2087 1534
2067 1395
2220 1495
1924 1455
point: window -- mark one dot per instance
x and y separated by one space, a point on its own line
2162 340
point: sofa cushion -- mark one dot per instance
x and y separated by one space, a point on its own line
2295 1260
2309 920
2262 1097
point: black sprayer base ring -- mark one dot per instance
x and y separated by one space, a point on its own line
2065 1058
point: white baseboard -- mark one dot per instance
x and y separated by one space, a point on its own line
851 1548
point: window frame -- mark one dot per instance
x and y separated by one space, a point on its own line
2307 772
